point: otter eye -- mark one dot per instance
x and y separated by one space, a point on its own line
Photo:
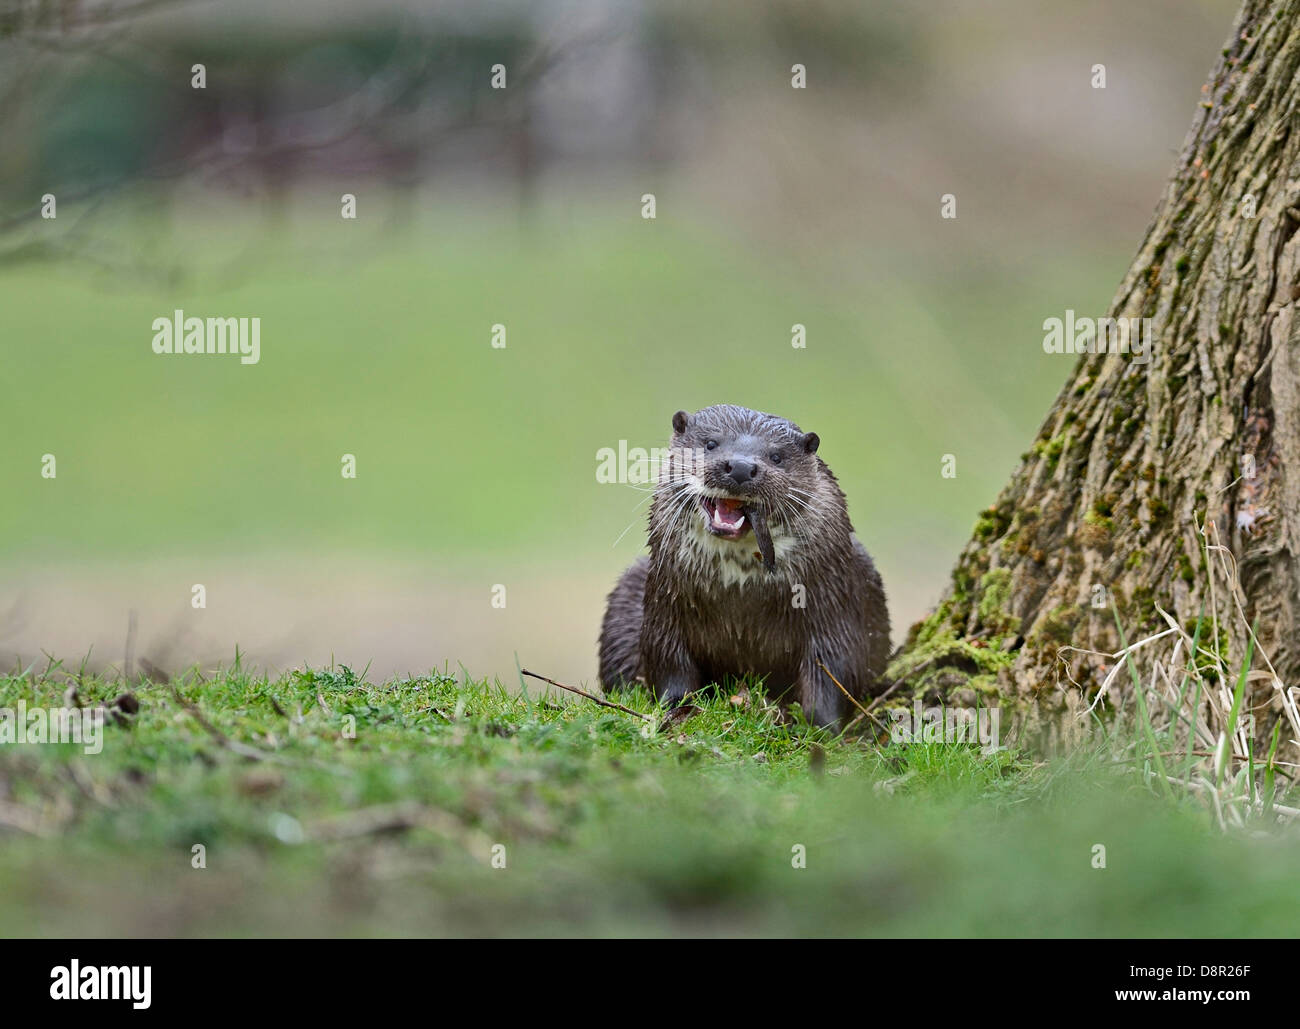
711 445
775 457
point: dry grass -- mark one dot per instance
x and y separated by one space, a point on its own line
1191 724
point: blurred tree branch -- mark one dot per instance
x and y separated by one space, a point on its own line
421 91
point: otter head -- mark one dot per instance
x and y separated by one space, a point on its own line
740 468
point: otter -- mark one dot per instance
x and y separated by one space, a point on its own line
753 569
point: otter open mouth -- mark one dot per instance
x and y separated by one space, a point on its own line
726 517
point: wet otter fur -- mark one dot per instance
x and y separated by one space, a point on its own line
753 570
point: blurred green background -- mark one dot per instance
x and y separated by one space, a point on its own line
476 466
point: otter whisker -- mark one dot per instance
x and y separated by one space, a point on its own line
682 487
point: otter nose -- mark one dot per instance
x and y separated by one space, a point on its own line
740 471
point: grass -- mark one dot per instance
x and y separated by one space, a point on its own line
609 826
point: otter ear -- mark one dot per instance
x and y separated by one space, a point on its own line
679 422
811 442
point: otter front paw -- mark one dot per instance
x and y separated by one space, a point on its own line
673 691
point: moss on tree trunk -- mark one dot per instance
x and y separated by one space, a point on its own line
1133 457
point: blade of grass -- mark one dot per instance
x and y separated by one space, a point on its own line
1225 740
1270 785
1145 721
1187 674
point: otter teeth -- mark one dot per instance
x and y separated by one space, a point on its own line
726 516
724 520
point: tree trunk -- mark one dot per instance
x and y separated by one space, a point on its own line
1136 460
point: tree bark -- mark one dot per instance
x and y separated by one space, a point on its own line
1134 459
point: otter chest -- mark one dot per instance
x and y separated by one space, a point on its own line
756 627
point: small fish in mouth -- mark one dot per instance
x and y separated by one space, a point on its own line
762 536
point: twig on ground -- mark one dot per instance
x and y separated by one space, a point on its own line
865 712
589 696
128 662
889 692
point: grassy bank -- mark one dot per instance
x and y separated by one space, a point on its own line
609 822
